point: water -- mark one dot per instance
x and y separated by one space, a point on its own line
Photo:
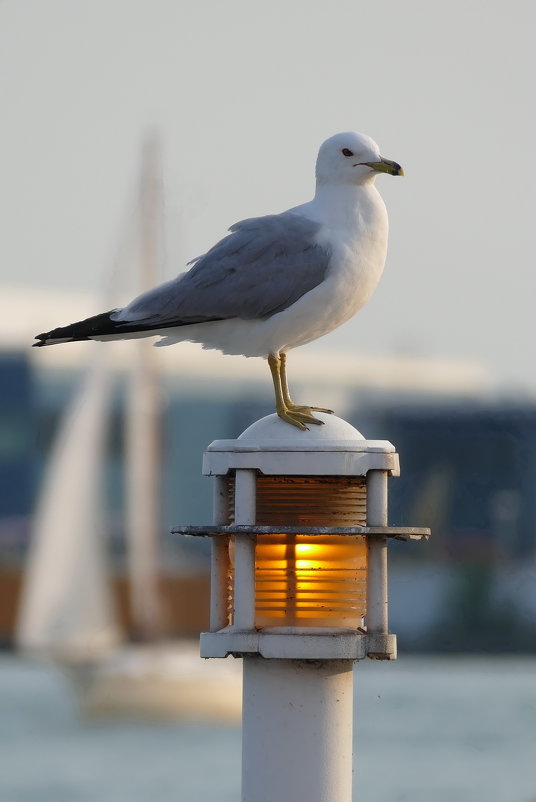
427 730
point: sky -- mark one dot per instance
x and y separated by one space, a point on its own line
242 93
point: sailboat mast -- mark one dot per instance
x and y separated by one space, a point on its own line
143 424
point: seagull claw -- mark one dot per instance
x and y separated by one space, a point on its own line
308 410
299 417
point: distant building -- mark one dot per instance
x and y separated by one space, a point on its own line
17 421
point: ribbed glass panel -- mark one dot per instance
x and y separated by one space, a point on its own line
308 580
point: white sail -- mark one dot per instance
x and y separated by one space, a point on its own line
66 610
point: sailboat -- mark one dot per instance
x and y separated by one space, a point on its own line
66 613
66 609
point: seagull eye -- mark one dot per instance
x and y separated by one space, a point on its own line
346 152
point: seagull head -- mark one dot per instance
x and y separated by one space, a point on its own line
351 158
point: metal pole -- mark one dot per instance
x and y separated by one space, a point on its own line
244 554
377 599
297 730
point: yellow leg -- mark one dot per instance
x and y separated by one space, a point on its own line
297 416
286 393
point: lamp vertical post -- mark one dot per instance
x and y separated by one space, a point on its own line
244 585
377 593
298 564
219 561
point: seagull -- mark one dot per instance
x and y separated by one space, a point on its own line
274 282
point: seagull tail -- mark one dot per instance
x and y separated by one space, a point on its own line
96 326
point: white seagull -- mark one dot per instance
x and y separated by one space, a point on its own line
275 282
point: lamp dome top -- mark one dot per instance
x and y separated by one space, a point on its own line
273 447
273 432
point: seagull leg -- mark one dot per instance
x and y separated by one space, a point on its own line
297 416
286 393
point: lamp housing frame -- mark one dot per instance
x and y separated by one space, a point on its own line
272 448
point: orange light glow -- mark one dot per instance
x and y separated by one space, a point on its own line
314 581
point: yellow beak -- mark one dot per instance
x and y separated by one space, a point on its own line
386 166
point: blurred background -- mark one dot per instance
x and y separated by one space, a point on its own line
133 134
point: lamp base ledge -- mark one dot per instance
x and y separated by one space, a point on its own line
328 645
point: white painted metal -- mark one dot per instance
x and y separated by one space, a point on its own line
220 502
273 447
219 563
377 596
293 463
301 644
244 553
297 731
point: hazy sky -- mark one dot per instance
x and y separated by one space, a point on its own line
243 93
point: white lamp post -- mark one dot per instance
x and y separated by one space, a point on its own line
299 590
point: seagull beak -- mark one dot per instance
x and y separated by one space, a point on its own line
386 166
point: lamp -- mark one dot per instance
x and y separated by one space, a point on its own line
300 541
299 590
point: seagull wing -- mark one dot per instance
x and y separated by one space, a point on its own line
262 267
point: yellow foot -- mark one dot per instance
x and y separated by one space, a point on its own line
299 416
308 410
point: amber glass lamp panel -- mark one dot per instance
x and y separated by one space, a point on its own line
308 580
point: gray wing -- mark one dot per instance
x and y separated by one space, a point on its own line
262 267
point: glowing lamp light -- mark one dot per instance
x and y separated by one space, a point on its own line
301 579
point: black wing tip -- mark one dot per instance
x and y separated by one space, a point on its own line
75 332
47 339
54 337
102 325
